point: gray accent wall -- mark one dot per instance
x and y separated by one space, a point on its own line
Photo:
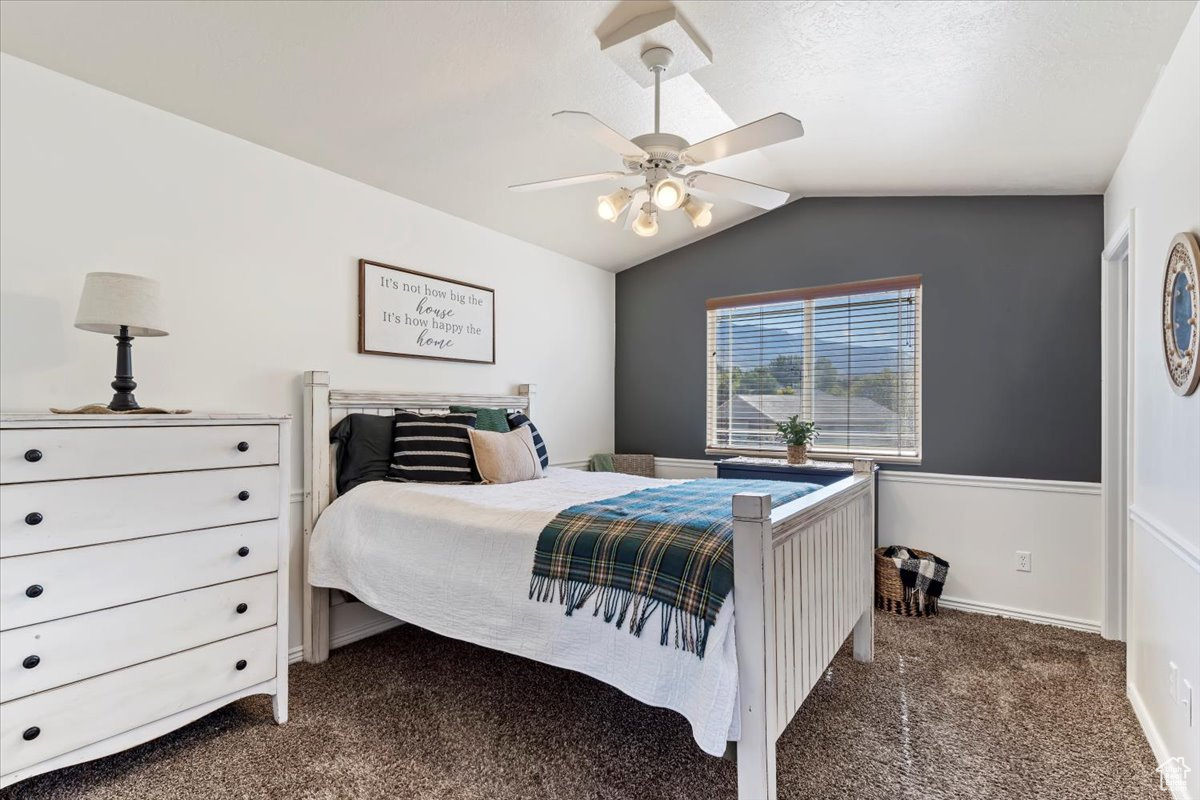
1011 322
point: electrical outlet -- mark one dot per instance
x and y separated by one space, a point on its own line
1185 700
1024 561
1172 679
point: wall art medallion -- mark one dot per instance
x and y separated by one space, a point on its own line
1180 309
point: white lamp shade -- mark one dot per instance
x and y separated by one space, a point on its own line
113 299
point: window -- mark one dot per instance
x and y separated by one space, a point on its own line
847 357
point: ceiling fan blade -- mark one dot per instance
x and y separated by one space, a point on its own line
766 131
557 182
640 197
586 124
743 191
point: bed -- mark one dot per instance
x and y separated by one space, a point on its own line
456 560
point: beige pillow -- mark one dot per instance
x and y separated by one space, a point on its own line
506 457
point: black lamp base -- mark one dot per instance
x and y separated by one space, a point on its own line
124 384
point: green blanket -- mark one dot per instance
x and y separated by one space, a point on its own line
665 551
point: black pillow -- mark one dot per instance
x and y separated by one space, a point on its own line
432 449
364 449
516 420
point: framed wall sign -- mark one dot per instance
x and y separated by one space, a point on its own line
407 313
1180 309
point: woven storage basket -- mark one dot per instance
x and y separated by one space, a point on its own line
889 589
634 464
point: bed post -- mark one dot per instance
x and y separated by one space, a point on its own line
753 578
316 498
529 391
864 629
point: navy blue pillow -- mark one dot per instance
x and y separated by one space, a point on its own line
432 449
516 420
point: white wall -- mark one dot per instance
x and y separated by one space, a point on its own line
978 524
258 252
1159 177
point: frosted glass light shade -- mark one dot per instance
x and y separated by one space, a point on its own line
646 223
113 299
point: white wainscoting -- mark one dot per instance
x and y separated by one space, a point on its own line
1164 606
978 524
685 467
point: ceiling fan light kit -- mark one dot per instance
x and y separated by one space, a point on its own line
647 221
610 206
699 212
662 162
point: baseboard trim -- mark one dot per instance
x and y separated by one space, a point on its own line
579 464
1171 540
1150 731
1041 618
984 482
343 638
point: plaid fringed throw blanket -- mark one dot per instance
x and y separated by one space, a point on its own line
666 551
924 576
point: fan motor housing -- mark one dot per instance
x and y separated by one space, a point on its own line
664 149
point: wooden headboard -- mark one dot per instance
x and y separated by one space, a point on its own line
325 407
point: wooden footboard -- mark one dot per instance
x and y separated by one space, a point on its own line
803 580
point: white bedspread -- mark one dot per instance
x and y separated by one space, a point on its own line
457 560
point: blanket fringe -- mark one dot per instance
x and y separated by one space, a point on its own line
618 605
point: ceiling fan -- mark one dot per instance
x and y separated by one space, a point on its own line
662 161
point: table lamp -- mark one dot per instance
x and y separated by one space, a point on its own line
124 306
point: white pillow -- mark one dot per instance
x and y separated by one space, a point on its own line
506 457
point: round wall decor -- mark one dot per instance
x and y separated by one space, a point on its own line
1181 307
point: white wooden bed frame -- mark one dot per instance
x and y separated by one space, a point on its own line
803 572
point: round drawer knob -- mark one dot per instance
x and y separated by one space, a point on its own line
242 608
33 455
241 665
243 495
31 733
243 447
33 518
31 661
243 551
34 591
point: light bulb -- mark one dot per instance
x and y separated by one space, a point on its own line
699 211
610 206
647 222
668 194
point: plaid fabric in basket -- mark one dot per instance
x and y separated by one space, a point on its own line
923 577
665 551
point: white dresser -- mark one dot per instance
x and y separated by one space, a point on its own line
143 578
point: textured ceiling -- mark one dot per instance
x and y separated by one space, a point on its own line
449 103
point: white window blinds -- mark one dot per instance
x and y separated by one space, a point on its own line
847 357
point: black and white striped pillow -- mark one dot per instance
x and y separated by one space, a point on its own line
516 420
432 449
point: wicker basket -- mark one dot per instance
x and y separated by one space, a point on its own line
889 589
634 464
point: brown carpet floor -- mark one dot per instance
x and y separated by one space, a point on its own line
956 706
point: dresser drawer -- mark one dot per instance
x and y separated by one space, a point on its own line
47 586
51 454
76 715
35 517
39 657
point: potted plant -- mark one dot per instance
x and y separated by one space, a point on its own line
797 434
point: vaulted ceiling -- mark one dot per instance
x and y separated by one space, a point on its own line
447 103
